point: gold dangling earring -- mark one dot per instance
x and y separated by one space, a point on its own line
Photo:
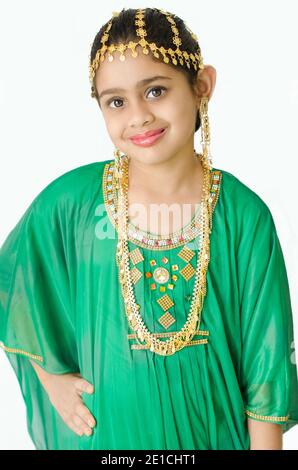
121 184
205 133
118 167
117 161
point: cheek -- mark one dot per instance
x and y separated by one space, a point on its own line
113 128
117 137
181 105
182 114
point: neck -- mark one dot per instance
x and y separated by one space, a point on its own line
176 176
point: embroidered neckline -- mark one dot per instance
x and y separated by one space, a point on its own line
147 239
175 234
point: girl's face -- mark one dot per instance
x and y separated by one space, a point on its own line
139 103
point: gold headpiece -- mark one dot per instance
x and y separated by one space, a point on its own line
175 55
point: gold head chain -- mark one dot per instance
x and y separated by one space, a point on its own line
175 55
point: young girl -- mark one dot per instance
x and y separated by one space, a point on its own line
128 334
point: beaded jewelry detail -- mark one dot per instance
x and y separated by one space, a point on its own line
146 239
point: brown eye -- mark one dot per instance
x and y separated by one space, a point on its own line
158 88
115 99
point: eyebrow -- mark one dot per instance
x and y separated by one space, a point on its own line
139 84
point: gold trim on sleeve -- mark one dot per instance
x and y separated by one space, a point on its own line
269 418
20 351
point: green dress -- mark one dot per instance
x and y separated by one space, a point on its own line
61 305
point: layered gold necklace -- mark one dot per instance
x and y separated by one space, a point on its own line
183 337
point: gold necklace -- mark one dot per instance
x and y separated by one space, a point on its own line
183 337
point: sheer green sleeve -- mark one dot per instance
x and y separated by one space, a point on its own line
36 315
268 361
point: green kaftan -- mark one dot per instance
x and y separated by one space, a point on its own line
61 305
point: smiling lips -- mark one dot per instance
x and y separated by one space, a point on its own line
148 138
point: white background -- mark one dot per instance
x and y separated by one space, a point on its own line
50 124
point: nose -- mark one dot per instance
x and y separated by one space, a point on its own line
140 114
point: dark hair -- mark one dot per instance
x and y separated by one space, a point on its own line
158 31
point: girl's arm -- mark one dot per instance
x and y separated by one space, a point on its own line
264 436
41 373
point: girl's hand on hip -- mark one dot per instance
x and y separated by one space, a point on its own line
65 393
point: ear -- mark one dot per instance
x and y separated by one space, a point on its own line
206 80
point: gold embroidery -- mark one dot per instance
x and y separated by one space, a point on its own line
188 272
135 275
166 320
186 254
20 351
136 256
171 333
270 418
217 175
192 343
165 302
198 341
